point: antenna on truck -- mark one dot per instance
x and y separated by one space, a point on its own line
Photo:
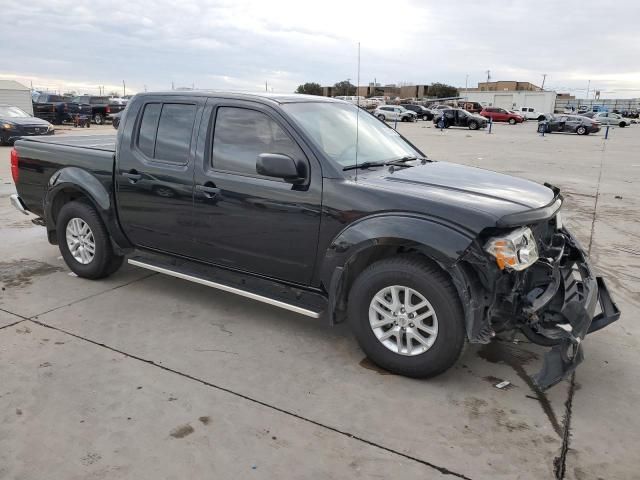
358 109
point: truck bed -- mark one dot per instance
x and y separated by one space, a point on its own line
41 157
103 142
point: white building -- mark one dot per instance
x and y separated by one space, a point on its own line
16 94
543 101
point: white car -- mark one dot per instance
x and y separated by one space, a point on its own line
529 113
395 112
608 118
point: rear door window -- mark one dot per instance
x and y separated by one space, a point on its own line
174 132
165 131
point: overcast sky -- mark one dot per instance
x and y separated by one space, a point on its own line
241 44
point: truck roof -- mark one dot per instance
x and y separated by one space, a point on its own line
279 98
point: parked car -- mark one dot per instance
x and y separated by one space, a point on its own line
569 123
473 107
58 109
16 123
419 256
101 107
423 112
457 117
529 113
395 112
497 114
610 119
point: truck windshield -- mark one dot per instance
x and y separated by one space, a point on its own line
332 127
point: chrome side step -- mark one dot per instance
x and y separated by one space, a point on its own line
174 271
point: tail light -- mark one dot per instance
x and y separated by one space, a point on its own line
14 165
108 109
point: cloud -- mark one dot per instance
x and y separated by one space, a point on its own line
154 43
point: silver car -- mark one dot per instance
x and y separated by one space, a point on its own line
606 118
395 112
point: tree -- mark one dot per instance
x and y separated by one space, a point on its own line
344 87
310 88
442 90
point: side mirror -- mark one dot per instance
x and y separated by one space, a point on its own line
281 166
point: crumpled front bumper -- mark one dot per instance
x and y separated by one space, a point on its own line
565 327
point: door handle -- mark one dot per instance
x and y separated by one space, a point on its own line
208 191
132 175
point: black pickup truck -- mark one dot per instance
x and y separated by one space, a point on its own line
101 107
271 197
58 109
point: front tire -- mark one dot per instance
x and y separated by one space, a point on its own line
418 331
84 242
381 117
512 121
473 125
581 130
622 124
98 118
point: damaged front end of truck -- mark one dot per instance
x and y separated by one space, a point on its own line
530 274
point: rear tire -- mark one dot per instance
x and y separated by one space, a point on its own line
381 117
542 129
622 124
99 260
423 281
98 118
581 130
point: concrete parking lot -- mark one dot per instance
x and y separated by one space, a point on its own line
143 376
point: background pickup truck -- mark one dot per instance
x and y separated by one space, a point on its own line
58 108
270 197
101 107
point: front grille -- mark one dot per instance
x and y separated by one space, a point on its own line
34 130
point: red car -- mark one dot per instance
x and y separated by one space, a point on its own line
501 115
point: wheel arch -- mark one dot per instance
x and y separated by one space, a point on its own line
73 183
373 239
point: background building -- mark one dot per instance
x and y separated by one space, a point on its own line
508 85
16 94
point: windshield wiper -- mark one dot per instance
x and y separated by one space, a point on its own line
364 165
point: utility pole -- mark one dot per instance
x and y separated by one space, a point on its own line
124 88
544 78
266 89
588 86
172 85
466 86
488 75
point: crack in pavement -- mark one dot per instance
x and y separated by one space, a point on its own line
560 462
442 470
91 296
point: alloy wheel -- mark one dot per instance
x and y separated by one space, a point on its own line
403 320
80 241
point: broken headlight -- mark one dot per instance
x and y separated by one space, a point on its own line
514 251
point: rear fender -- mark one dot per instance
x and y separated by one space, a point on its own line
74 182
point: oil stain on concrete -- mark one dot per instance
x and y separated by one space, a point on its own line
19 273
